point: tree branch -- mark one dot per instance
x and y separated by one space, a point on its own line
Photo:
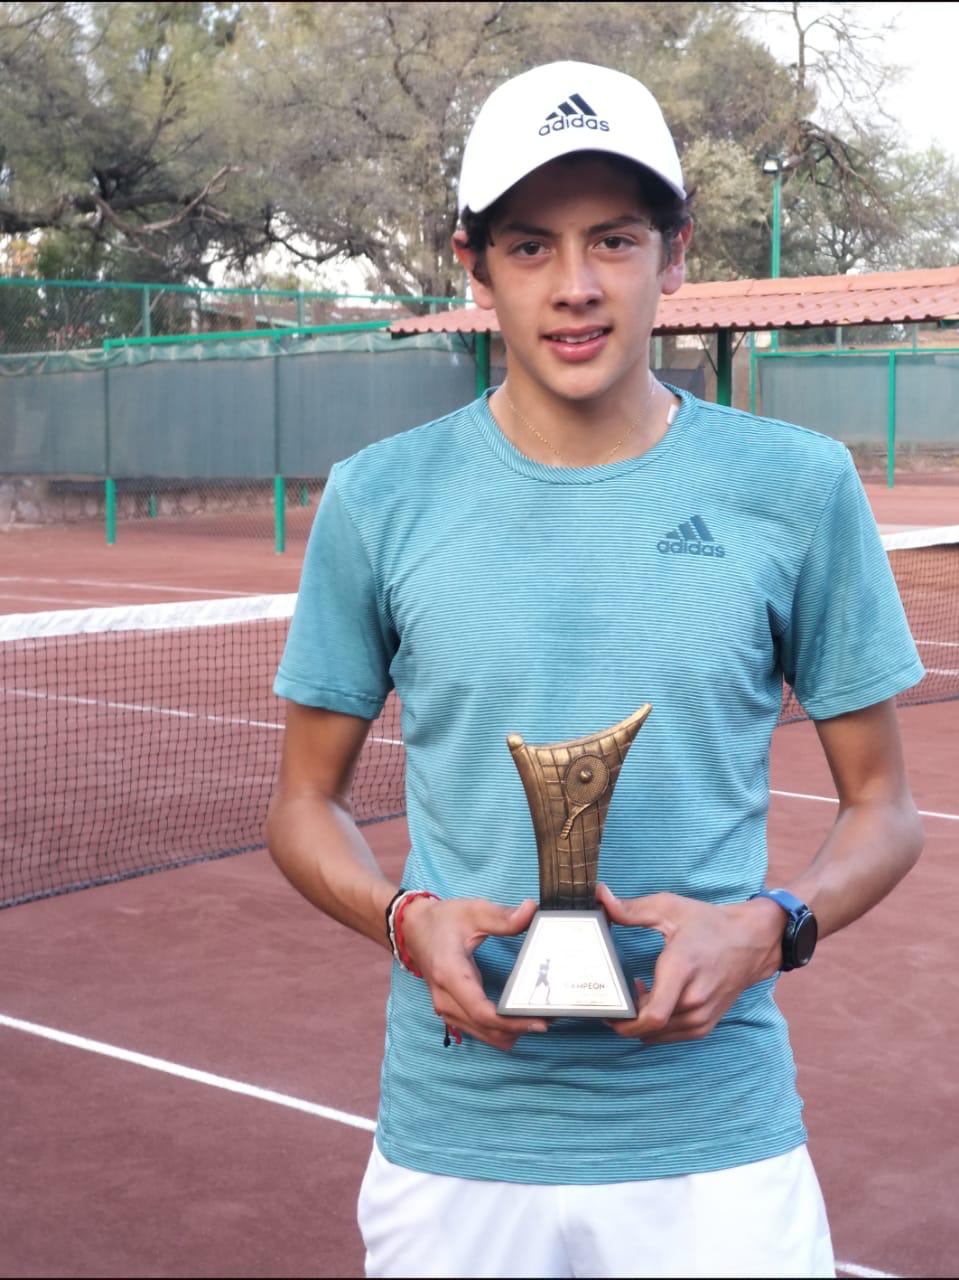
216 184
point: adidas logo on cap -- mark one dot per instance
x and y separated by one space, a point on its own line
691 538
573 113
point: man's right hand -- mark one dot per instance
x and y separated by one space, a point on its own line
441 937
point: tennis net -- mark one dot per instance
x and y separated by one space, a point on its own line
138 739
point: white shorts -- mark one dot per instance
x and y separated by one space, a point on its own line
760 1219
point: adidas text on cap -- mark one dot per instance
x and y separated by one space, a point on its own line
554 110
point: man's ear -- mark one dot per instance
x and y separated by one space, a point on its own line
482 293
675 272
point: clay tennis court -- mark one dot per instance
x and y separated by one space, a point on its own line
190 1059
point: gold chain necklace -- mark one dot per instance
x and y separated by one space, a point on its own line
552 448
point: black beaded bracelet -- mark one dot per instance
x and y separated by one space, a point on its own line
389 910
390 914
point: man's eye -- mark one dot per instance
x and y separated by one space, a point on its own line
528 249
615 242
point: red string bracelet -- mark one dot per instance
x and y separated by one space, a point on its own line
394 931
404 955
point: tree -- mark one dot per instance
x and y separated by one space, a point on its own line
366 116
102 133
161 140
854 197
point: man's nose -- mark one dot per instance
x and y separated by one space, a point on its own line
577 284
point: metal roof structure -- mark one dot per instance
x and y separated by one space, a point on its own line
879 297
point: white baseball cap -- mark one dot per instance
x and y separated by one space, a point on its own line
554 110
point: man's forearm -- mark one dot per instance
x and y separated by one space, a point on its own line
872 845
321 851
318 847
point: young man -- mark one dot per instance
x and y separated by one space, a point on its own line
543 562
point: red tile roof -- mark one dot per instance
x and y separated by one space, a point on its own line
881 297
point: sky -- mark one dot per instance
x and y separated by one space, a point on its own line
924 46
925 101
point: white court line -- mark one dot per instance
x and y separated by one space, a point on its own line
188 1073
125 586
262 1095
269 724
77 701
799 795
34 599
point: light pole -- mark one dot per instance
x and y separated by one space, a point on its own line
775 165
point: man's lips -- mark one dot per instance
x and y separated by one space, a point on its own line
575 345
575 337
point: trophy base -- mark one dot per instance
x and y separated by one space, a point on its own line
568 968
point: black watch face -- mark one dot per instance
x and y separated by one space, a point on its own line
804 940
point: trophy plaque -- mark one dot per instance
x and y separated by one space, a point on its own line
568 966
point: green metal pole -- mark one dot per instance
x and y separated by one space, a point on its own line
891 423
752 372
279 489
776 244
482 363
279 514
110 499
146 323
110 488
777 226
232 335
724 367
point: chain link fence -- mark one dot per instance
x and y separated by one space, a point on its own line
38 316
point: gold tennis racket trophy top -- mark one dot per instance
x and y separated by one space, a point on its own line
568 966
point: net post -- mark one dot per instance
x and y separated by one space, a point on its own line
891 423
482 363
145 322
724 366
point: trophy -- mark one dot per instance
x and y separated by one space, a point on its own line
568 966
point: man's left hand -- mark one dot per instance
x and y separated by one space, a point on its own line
711 955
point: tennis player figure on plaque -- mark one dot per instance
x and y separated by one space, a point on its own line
568 966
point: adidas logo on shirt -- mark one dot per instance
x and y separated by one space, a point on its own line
691 538
574 113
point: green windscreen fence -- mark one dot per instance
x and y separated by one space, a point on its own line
893 408
224 435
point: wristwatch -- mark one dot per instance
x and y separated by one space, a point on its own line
801 931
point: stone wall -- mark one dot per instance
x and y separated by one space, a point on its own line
27 501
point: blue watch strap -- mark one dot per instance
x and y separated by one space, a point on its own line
788 901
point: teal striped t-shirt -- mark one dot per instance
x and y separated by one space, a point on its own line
498 595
